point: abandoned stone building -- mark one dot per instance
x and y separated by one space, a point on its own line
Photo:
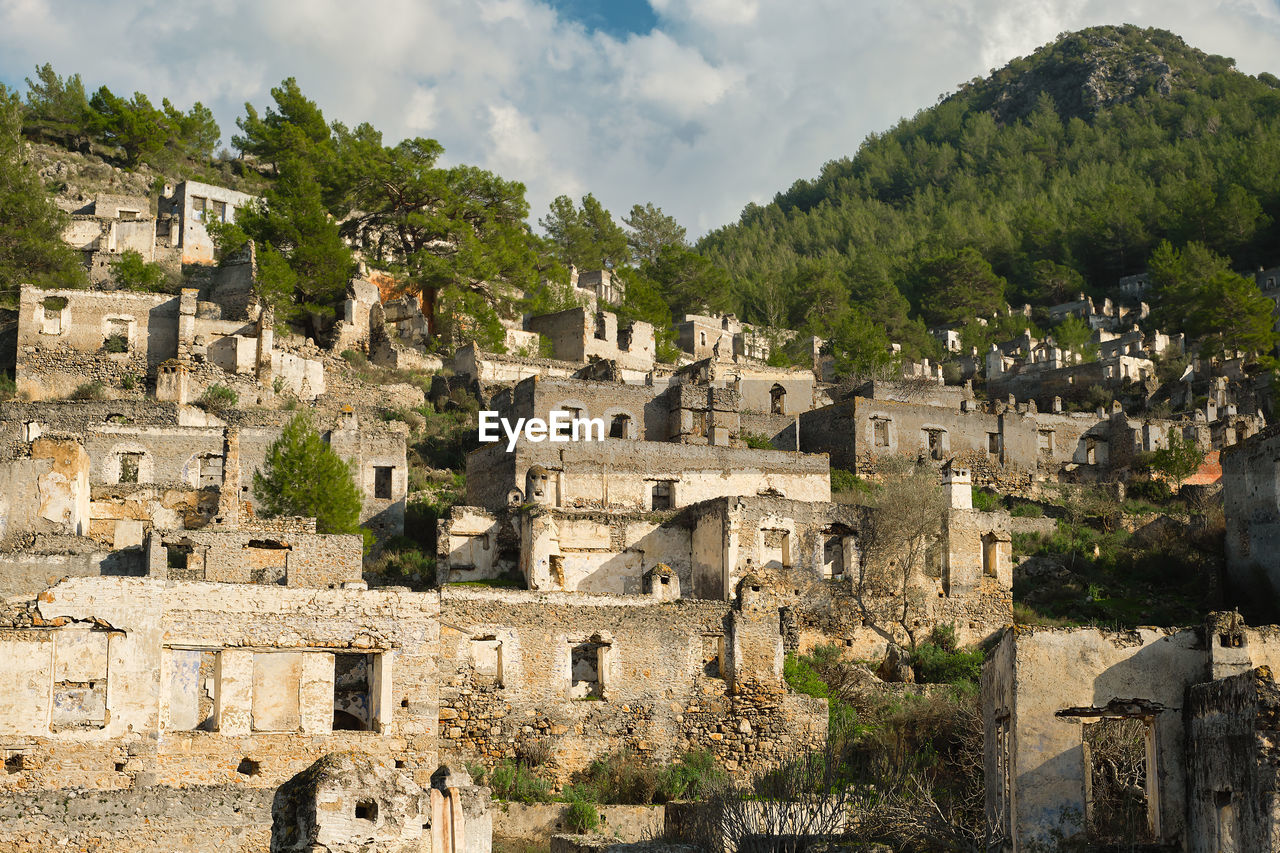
144 690
1006 447
1041 370
188 208
1108 316
109 226
726 337
180 345
1163 737
113 471
580 335
666 488
597 287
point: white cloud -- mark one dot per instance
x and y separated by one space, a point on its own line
725 102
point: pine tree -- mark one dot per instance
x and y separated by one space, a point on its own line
303 476
31 247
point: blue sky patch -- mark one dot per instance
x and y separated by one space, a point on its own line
618 18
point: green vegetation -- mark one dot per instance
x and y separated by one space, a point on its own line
93 390
1179 460
940 660
1094 571
756 441
985 500
1031 186
581 817
302 476
31 247
218 398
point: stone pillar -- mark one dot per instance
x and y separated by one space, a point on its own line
266 342
186 323
755 640
958 484
229 494
315 702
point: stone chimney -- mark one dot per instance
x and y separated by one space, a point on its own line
958 483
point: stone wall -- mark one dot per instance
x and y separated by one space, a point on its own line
122 682
1004 447
1232 733
624 474
1250 500
62 336
196 819
591 675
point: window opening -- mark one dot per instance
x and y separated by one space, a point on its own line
382 482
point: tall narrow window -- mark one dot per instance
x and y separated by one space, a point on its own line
130 463
620 426
778 400
660 495
382 482
880 431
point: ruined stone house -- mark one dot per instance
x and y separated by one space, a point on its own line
181 344
1157 737
134 467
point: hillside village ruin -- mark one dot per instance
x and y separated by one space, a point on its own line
184 673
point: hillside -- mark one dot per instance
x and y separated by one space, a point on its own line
1064 170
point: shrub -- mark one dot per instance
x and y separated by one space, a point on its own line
939 660
511 781
7 386
756 441
1025 510
94 390
116 343
218 398
132 272
54 303
984 500
1154 491
355 358
582 817
846 481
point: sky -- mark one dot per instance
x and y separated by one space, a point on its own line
698 106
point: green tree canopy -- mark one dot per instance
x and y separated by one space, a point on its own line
651 231
56 108
585 237
690 283
957 286
303 476
31 246
304 264
1195 290
268 136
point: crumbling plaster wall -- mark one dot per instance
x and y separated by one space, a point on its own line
1039 672
146 625
1232 731
60 349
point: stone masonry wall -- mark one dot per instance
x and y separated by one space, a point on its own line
662 689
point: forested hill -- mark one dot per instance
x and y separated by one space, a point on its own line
1064 170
